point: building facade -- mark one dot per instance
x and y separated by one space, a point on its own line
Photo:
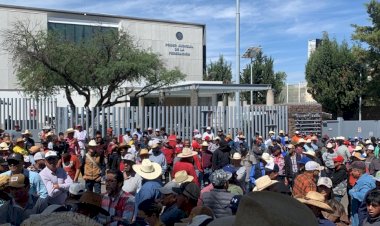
180 45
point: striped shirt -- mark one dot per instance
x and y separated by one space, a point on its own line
122 205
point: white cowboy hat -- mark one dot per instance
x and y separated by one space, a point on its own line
182 177
148 170
70 130
329 145
358 148
309 152
27 132
316 199
236 156
186 152
92 143
204 144
263 182
266 157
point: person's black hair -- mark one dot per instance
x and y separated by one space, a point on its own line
118 175
150 207
61 134
373 197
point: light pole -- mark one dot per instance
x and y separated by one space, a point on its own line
251 53
237 72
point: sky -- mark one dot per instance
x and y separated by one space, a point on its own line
281 27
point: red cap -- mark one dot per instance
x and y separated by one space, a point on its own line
207 138
339 158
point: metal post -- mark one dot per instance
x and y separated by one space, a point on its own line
251 82
237 72
360 99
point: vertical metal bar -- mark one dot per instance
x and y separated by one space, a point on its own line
183 119
119 121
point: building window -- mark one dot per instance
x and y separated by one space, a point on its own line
76 32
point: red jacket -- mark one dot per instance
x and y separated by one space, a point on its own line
188 167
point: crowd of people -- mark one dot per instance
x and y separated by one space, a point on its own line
151 177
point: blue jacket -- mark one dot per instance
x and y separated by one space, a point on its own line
149 190
37 186
357 193
253 171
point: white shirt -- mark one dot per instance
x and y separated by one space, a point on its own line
132 185
127 138
60 177
210 135
81 137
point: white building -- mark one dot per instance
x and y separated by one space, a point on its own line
312 45
179 44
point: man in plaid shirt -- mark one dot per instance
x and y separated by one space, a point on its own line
118 203
305 182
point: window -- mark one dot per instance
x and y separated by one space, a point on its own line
76 32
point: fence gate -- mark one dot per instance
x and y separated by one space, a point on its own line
179 119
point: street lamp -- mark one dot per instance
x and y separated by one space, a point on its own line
251 53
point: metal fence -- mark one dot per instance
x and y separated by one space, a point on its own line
352 128
28 113
182 119
34 114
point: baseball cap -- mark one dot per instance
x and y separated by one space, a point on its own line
312 165
51 154
357 165
370 147
38 156
324 181
208 128
339 158
229 168
167 189
188 189
220 177
16 156
150 128
157 130
17 181
304 160
271 167
77 188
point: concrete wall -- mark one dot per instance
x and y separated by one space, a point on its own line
340 127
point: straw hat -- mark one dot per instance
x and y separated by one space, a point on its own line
271 132
358 156
266 157
20 140
241 136
4 146
65 218
69 130
124 145
263 182
92 143
309 153
316 199
144 151
236 156
329 145
92 200
301 141
186 152
148 170
27 132
358 148
368 142
204 144
34 149
308 141
182 177
49 134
